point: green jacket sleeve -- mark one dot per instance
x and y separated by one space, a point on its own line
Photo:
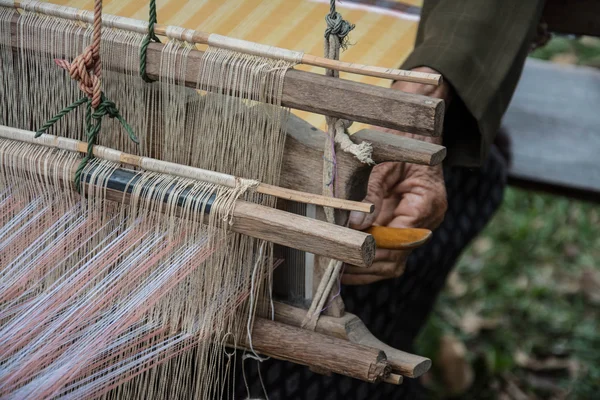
480 47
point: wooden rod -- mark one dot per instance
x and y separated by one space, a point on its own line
340 98
280 227
314 349
388 146
394 379
183 171
243 46
351 328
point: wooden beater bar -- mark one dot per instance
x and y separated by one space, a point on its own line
273 225
302 90
243 46
184 171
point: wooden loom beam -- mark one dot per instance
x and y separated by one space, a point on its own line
288 229
280 227
350 327
311 92
315 349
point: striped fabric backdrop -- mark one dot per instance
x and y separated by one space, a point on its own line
384 34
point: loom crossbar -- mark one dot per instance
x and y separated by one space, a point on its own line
311 92
277 226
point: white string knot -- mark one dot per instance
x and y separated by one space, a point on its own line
363 151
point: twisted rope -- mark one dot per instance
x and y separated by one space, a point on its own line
86 68
150 37
336 37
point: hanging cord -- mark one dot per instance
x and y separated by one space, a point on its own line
150 37
86 68
336 37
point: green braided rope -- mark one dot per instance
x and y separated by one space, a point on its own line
150 37
93 123
60 114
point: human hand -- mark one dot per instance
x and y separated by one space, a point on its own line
405 196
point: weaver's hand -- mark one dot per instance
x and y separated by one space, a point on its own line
405 196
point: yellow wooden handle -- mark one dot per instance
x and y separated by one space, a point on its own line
398 238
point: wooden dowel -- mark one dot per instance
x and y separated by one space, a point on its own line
378 72
324 352
184 171
351 328
306 91
394 379
310 198
199 37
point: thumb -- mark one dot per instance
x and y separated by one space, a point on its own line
383 177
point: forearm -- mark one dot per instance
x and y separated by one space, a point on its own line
479 48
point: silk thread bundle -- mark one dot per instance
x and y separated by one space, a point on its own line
216 279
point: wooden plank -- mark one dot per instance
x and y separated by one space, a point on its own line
312 92
350 327
314 349
388 146
573 17
303 160
553 124
304 233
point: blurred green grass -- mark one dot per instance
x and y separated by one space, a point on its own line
525 296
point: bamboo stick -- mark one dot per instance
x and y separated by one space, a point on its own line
183 171
198 37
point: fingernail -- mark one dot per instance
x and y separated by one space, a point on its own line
356 219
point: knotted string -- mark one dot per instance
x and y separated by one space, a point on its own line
337 26
86 68
150 37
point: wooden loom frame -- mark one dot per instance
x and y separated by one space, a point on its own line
341 343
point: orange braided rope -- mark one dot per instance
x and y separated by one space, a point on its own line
86 68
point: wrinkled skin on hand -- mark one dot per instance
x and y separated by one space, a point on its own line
405 196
